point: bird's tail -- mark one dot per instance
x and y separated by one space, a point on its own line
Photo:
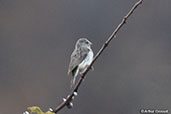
73 82
74 75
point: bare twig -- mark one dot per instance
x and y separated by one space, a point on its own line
70 97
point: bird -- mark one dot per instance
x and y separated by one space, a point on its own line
80 59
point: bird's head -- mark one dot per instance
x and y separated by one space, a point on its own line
83 42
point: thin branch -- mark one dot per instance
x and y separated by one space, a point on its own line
70 97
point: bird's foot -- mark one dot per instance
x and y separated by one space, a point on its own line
92 68
81 74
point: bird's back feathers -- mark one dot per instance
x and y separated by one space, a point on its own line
77 57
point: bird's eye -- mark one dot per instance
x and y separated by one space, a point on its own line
87 42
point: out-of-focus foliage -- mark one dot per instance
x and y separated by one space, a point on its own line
37 110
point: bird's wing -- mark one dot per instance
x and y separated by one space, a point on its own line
76 58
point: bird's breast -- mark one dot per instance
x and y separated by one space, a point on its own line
87 61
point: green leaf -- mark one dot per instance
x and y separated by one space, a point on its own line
37 110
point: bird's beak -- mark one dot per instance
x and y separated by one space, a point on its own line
90 43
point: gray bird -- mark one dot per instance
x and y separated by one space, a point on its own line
81 58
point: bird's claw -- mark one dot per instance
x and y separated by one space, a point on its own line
92 68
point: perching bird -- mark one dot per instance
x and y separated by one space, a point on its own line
81 58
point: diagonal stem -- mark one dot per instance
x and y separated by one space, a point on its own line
113 35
